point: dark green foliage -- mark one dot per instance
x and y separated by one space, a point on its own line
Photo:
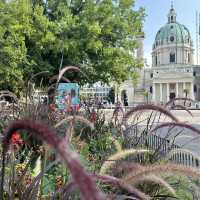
99 37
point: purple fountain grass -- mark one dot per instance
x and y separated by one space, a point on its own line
119 155
162 168
120 183
118 110
37 179
54 79
75 118
154 179
69 68
51 87
174 124
124 167
82 179
149 107
111 180
72 120
177 99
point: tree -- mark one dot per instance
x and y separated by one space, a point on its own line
103 37
98 36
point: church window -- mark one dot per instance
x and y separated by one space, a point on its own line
194 73
156 60
172 18
171 27
195 88
188 58
151 75
172 38
172 57
151 90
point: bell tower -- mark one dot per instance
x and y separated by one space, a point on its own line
172 14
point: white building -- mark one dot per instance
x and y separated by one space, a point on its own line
96 90
173 73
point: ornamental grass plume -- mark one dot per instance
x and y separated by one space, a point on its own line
149 107
69 68
113 181
159 169
177 99
54 79
82 179
122 184
155 179
76 118
116 113
176 124
71 121
119 155
181 107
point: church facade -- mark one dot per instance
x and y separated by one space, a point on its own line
173 72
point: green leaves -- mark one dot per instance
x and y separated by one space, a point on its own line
98 37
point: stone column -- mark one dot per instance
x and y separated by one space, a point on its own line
192 90
154 92
176 89
184 87
161 93
167 91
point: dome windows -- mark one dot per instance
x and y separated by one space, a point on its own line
172 44
156 61
172 58
171 38
188 58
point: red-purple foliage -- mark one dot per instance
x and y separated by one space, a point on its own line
82 179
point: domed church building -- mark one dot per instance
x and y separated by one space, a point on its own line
173 71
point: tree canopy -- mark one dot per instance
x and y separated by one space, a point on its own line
98 36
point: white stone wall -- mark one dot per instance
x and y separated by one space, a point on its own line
181 54
129 88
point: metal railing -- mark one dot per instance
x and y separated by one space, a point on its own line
167 150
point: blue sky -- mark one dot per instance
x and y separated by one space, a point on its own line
157 11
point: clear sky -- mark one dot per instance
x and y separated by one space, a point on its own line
157 11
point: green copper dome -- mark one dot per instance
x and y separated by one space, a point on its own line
172 32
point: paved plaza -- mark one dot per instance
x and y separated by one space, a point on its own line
186 139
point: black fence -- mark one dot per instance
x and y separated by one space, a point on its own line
165 148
